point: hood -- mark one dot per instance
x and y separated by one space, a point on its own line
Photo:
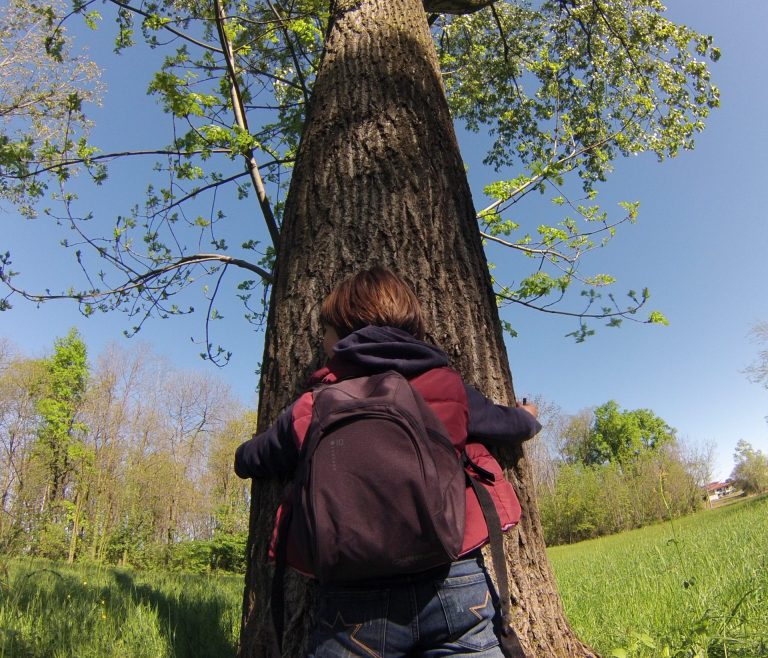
378 349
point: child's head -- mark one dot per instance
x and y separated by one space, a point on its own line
376 296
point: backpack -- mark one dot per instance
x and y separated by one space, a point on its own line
380 489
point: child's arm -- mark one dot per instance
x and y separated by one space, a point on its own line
272 453
492 423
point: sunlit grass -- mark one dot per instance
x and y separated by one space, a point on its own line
53 611
695 587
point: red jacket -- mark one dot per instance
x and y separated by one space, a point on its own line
444 390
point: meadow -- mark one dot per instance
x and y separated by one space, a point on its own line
50 610
694 588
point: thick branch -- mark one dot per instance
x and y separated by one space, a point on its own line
242 122
455 6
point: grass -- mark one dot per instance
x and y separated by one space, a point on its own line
58 611
697 587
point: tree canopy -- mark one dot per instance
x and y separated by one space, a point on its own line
751 470
616 436
45 86
124 460
561 88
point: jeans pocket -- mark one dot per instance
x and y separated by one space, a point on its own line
468 606
350 623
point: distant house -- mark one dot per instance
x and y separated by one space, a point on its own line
717 490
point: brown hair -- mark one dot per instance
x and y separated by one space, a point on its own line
376 296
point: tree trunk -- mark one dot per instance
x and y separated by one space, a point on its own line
75 529
379 179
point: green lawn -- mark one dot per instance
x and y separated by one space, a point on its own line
57 611
695 588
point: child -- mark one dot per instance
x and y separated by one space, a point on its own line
373 323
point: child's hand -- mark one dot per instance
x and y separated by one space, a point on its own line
530 408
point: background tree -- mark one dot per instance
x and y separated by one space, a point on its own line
622 436
751 470
576 437
59 443
44 86
616 470
230 494
543 450
145 482
21 384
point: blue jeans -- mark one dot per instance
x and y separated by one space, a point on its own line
443 612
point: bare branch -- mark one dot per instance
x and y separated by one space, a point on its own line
139 281
627 313
200 190
211 357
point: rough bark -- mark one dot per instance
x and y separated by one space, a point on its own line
379 179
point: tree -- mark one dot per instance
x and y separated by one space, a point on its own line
60 444
379 164
576 437
543 449
377 177
22 381
43 88
60 430
751 470
147 471
622 436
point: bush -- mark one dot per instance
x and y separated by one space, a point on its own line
596 500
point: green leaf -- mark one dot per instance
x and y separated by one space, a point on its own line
656 317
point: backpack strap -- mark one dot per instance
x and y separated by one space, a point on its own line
510 643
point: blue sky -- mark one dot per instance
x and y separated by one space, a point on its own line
699 245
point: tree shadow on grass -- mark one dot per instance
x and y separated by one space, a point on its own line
195 628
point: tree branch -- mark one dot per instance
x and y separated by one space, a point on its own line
111 156
186 37
242 122
530 250
137 282
200 190
455 6
627 313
